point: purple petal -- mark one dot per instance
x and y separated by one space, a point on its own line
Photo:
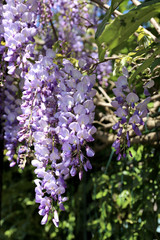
120 132
55 223
149 84
118 93
89 152
123 120
130 153
136 130
80 175
73 171
116 144
61 206
115 126
120 112
121 82
132 98
44 219
115 104
146 92
128 143
124 155
127 135
143 105
134 119
88 164
119 156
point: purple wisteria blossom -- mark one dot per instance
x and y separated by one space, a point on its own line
57 119
19 23
129 112
54 118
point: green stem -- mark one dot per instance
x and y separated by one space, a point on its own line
109 160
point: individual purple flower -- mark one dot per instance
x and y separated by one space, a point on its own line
89 152
132 98
116 126
121 112
134 119
147 86
116 144
120 132
122 82
136 129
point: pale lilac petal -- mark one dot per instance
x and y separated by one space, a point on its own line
125 72
44 219
74 126
55 223
132 98
121 112
115 104
118 93
143 105
83 119
134 119
149 84
121 82
56 216
89 152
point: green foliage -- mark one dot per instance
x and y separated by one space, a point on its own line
114 5
147 63
115 35
120 203
127 198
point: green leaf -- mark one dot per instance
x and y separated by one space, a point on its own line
124 199
122 27
101 194
155 63
145 64
114 5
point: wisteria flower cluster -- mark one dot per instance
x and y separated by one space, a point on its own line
18 29
48 109
129 111
57 119
75 17
19 23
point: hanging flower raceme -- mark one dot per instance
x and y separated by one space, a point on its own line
11 111
129 111
19 23
57 119
19 28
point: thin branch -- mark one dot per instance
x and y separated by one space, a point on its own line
150 123
152 138
104 94
104 104
155 24
155 97
94 65
106 7
54 31
106 126
99 3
